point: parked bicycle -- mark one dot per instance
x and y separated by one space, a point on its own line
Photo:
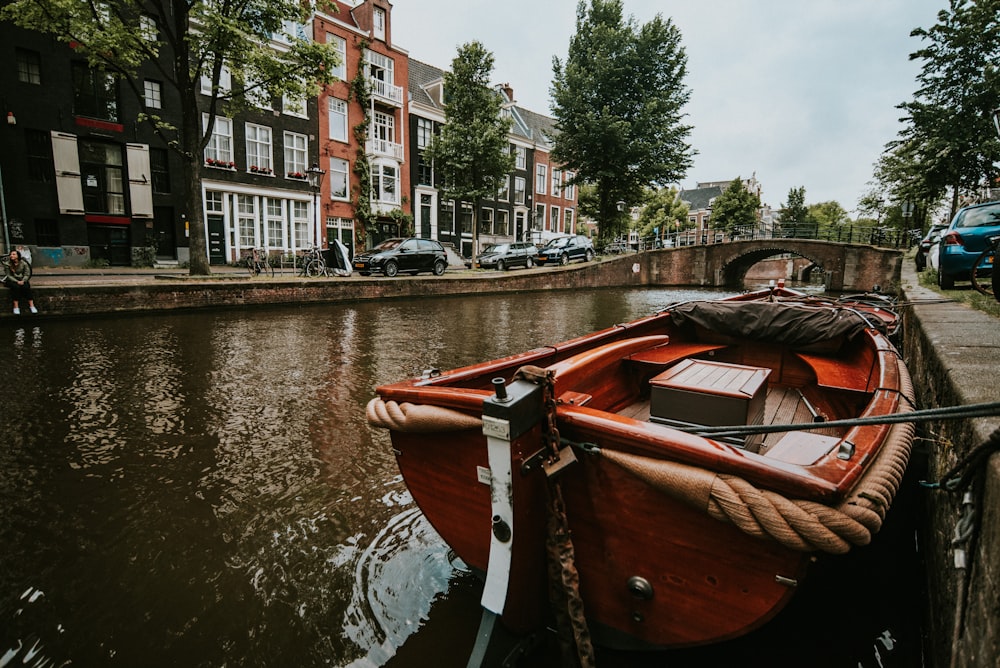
258 261
313 263
985 278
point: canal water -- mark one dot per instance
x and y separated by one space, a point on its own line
203 489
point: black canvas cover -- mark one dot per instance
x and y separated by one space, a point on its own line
780 322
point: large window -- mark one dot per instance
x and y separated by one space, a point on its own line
29 66
425 130
103 177
378 23
39 150
521 157
94 93
568 221
338 44
503 192
556 182
338 119
554 219
425 171
446 217
465 218
225 81
339 178
519 188
246 217
159 168
503 222
296 154
486 221
258 148
275 223
569 192
220 145
300 223
541 178
385 182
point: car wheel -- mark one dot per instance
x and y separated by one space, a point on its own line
501 266
564 259
529 263
439 268
945 282
391 269
590 255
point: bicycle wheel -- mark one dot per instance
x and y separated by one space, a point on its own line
982 271
268 268
316 267
252 267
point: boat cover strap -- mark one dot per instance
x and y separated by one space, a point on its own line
780 322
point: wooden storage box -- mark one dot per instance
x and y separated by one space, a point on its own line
714 394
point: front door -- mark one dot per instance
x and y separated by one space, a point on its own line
164 233
216 239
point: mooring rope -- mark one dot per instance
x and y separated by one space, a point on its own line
418 418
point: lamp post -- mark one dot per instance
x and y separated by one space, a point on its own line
315 176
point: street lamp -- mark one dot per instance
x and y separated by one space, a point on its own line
315 176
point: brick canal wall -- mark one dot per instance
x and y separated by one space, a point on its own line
953 353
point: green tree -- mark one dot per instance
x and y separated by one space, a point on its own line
735 208
948 135
664 214
828 216
472 153
197 38
617 101
794 219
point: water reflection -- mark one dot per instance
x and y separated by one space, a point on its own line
203 489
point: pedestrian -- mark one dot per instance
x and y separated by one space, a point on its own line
17 277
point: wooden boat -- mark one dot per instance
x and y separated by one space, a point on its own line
680 470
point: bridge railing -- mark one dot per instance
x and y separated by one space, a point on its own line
874 235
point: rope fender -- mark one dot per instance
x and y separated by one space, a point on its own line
417 418
798 524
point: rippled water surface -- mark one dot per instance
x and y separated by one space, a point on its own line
203 489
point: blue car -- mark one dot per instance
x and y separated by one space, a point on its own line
966 237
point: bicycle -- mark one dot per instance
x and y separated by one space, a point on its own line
258 261
985 278
313 263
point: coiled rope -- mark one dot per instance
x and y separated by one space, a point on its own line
418 418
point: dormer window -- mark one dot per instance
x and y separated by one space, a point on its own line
378 24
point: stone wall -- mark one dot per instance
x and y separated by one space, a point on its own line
953 353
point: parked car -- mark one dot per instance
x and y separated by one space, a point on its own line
963 241
411 255
924 245
505 256
565 249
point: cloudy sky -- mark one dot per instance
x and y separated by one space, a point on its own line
798 92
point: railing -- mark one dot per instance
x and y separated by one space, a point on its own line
386 92
873 235
384 148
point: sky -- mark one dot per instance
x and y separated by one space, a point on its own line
799 93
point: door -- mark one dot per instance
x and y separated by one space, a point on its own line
110 243
216 239
164 233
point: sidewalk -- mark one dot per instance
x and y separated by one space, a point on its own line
58 277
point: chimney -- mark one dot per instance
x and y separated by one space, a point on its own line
508 91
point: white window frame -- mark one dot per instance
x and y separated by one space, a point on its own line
425 130
541 178
386 190
569 190
259 143
378 23
291 106
152 94
299 212
246 220
339 45
340 179
556 181
503 192
520 157
296 153
337 114
274 213
220 144
225 82
519 189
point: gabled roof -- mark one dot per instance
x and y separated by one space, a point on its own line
542 128
700 198
422 76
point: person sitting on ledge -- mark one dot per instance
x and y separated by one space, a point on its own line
17 277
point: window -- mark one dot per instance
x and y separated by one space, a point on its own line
300 223
425 171
220 146
465 218
338 44
159 170
503 220
378 24
539 222
275 224
520 157
47 233
519 187
339 178
556 182
425 130
213 202
296 154
94 93
541 178
338 119
258 148
503 192
256 93
554 219
29 67
384 129
446 217
103 177
385 182
39 153
246 220
568 220
225 81
569 192
486 221
153 94
148 29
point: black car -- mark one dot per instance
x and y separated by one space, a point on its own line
563 250
411 255
505 256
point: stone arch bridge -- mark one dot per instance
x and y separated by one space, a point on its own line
844 266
